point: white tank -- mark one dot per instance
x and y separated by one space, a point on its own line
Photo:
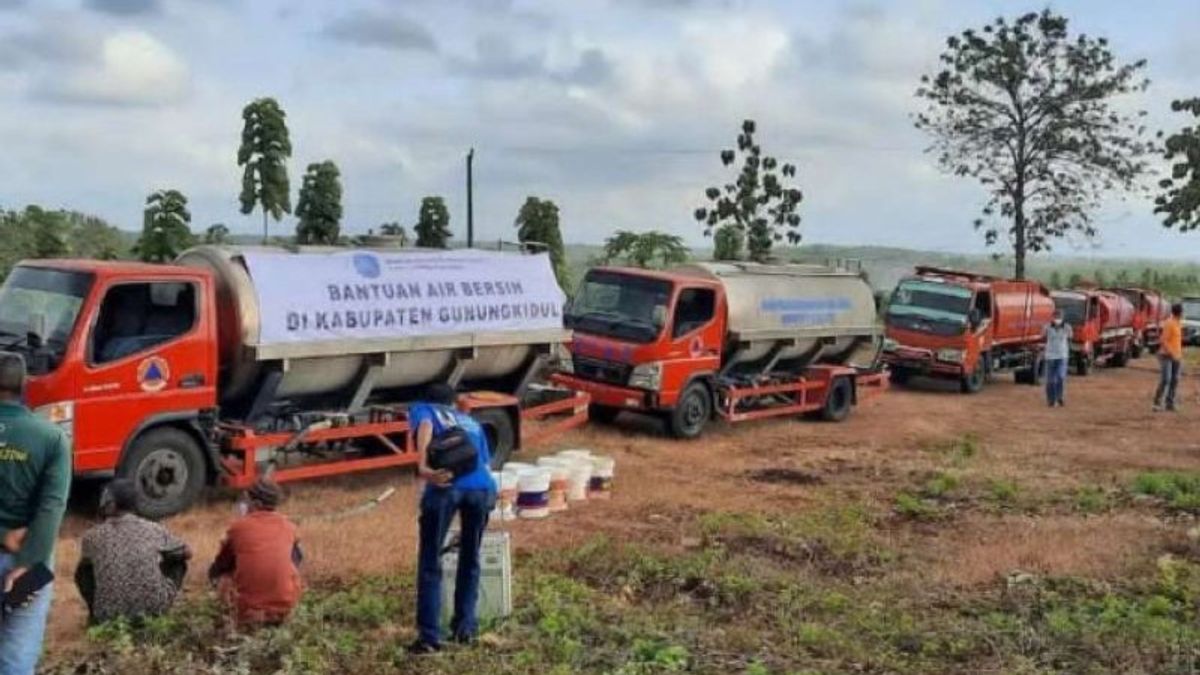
314 369
828 314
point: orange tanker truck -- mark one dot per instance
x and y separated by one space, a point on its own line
1102 325
739 341
966 327
1151 309
232 361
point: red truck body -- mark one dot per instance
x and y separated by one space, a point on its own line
965 326
1151 309
1102 324
153 415
694 365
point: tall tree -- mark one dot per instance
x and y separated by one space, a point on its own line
395 230
217 233
1180 201
320 205
1055 280
645 249
49 230
433 224
165 231
537 222
91 237
264 152
757 203
727 243
1029 111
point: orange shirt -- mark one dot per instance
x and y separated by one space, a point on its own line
265 579
1172 338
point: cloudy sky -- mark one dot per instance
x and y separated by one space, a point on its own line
616 109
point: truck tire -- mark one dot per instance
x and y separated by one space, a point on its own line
1083 365
1137 350
502 437
973 383
899 376
1032 375
167 466
602 413
839 400
691 413
1121 358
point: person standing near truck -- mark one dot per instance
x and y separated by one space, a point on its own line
1056 356
35 478
1170 359
471 496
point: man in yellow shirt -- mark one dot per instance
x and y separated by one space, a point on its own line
1170 359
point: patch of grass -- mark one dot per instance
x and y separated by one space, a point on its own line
916 507
1092 499
1003 492
939 485
1179 490
958 449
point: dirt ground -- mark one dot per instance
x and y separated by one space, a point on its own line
1105 435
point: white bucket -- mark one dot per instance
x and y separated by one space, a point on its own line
517 467
601 484
533 488
497 512
576 454
507 501
560 479
579 475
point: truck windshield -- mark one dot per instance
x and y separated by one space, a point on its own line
1074 309
31 292
930 302
622 306
1191 310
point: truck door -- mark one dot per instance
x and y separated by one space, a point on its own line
146 357
695 340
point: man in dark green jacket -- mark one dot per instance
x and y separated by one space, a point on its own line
35 477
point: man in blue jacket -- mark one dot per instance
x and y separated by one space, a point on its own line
471 496
35 477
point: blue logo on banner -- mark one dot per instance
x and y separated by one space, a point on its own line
366 265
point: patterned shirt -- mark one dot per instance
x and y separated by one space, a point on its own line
126 553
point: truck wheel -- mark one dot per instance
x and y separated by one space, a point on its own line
899 376
602 413
502 438
839 400
1031 375
691 412
971 384
1121 358
1137 351
1083 365
168 469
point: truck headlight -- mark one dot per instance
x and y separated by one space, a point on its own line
889 345
566 362
950 355
647 376
60 414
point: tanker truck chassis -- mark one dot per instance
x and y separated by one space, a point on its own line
736 341
167 374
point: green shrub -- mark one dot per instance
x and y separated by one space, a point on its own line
1179 490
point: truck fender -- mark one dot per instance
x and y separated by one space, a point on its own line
708 378
184 420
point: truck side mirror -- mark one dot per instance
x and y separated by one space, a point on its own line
659 316
975 317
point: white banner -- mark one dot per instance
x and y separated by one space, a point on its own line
307 297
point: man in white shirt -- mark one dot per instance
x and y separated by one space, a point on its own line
1057 354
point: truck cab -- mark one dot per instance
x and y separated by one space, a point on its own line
642 339
122 357
1191 321
937 326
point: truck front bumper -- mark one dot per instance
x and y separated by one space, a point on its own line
920 362
609 395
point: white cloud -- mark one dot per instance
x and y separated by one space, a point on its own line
132 69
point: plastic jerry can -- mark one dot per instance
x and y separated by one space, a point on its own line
495 577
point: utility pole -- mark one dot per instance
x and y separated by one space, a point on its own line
470 201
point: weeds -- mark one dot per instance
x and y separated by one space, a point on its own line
1180 491
1091 500
1003 493
957 450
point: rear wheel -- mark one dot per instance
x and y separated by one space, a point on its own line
602 413
691 412
972 383
1083 364
1137 350
839 400
1121 358
1031 375
502 437
899 376
167 466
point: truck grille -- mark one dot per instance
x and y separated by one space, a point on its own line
600 370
